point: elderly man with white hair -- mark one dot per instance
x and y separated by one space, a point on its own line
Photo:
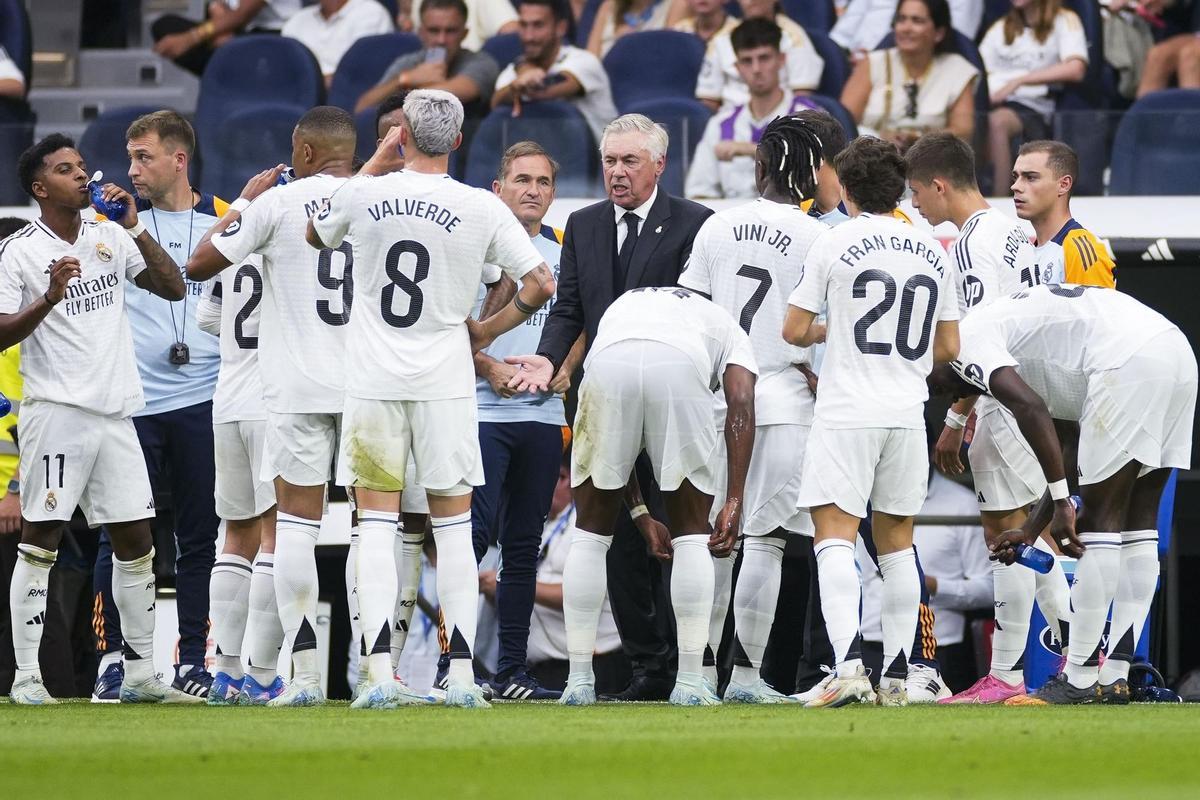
640 236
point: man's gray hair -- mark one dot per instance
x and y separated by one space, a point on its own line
655 134
434 119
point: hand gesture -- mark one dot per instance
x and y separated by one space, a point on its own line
729 525
10 514
427 73
1062 529
562 380
809 376
111 192
946 451
174 45
534 373
262 182
389 155
61 273
658 538
498 376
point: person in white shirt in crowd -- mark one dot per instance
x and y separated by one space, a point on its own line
865 23
719 83
550 69
704 18
615 18
191 44
1034 48
919 85
723 165
331 26
488 18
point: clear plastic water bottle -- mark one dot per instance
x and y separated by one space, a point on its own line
114 210
1040 560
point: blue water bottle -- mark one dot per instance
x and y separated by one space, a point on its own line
1040 560
286 177
115 210
5 405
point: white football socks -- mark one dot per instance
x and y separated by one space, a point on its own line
1096 577
1131 606
1053 595
408 575
229 597
458 592
585 583
754 603
841 592
1013 586
377 588
722 587
296 590
351 577
27 596
264 633
692 599
900 608
133 594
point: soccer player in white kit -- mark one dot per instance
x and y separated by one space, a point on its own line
62 293
992 258
423 239
886 284
242 589
648 384
306 303
1128 376
747 260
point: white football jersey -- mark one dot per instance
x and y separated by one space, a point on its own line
1057 336
81 354
748 259
306 297
991 256
238 293
703 331
886 285
421 241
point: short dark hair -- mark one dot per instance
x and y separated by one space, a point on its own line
942 155
828 130
169 125
393 102
457 5
872 174
557 7
755 33
521 150
331 124
1061 158
10 225
939 14
31 162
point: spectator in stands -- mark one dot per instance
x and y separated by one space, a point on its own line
548 69
865 22
190 44
488 18
1176 57
615 18
331 26
441 63
723 165
704 18
920 85
1035 44
719 83
12 81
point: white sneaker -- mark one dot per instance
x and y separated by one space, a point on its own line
466 696
29 691
389 694
924 685
891 693
299 693
843 691
154 690
691 692
578 693
759 693
817 689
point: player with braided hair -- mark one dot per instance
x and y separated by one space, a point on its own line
747 259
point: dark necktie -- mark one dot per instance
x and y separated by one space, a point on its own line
625 256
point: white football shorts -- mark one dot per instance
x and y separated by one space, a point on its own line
849 466
1006 472
241 492
301 448
772 482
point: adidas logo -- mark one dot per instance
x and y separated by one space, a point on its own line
980 498
40 619
1160 250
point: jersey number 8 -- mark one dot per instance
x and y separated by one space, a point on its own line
416 298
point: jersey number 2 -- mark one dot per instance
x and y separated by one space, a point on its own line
246 272
904 324
416 298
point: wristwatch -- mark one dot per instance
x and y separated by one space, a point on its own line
14 486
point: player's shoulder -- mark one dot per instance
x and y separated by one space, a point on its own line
19 238
211 205
551 234
1080 243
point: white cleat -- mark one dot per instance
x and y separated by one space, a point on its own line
29 691
817 689
924 685
299 694
154 690
468 696
855 688
758 693
379 695
891 693
693 693
578 693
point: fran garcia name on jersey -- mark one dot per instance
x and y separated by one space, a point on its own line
903 244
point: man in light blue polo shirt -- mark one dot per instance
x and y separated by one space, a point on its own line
520 435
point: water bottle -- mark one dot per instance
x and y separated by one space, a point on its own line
1040 560
286 177
115 210
5 406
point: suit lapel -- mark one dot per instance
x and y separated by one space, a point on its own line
652 232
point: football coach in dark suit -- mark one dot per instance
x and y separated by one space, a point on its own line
640 236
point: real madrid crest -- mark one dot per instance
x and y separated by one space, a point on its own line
51 500
104 253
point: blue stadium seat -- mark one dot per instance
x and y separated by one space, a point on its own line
967 49
839 112
365 62
1155 149
587 18
504 47
836 71
103 143
251 140
812 14
16 37
557 126
685 119
652 64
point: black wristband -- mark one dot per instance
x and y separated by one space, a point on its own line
524 307
46 297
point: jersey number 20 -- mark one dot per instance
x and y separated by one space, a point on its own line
904 325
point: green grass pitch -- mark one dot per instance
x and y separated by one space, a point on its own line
543 752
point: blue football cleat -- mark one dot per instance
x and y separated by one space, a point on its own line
254 693
108 685
224 690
